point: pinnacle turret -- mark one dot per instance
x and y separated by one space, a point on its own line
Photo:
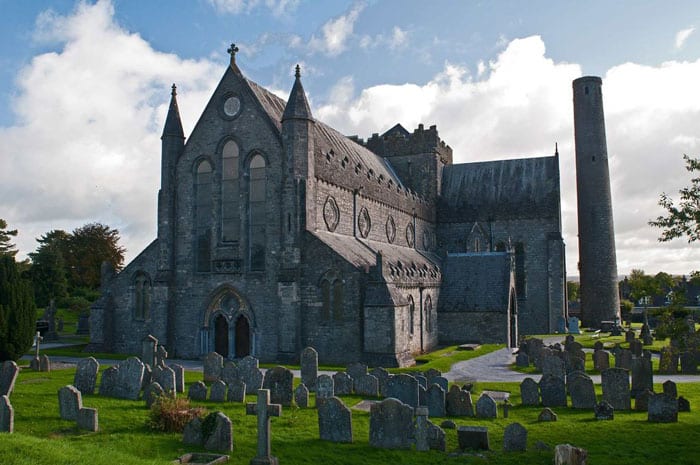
173 124
297 105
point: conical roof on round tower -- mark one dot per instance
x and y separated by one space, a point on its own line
297 105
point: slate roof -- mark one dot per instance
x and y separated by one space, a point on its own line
522 188
475 282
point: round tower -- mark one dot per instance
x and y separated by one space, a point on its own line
600 300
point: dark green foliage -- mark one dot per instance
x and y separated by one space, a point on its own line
17 311
683 219
89 246
6 247
48 273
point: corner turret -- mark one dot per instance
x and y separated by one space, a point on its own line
297 105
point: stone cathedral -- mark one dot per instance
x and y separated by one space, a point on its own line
276 232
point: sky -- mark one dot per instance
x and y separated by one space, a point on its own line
84 89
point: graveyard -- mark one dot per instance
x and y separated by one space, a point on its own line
340 418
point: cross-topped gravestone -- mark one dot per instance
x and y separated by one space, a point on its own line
264 410
37 342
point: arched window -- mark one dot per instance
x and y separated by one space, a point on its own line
230 216
411 314
256 210
332 296
203 214
142 296
520 278
428 312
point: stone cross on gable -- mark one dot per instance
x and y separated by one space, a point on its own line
232 50
264 410
37 340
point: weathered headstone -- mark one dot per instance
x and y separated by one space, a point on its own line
662 409
165 376
8 376
87 419
436 437
301 396
553 391
636 347
422 380
356 369
515 438
566 454
109 380
598 345
229 372
421 396
129 379
574 323
552 365
236 391
218 436
198 391
642 376
334 420
161 356
309 368
192 433
670 388
440 381
529 392
458 402
391 424
689 364
366 385
404 388
668 361
616 388
263 409
448 424
7 415
547 414
421 431
280 380
147 376
148 350
641 402
342 384
382 377
582 392
431 374
473 437
179 371
630 336
69 402
152 392
522 360
435 400
217 392
85 377
623 359
486 407
249 373
603 411
44 363
324 387
213 364
601 360
683 404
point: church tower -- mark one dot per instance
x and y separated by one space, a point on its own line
600 300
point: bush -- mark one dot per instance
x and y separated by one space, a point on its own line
171 413
17 311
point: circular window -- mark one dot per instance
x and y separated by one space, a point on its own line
231 106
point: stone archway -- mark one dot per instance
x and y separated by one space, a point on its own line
221 342
242 337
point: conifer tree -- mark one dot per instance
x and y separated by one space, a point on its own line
17 311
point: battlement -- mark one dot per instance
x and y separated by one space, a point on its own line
397 141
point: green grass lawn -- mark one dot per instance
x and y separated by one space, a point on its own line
41 437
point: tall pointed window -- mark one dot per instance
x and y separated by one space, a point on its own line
142 296
203 214
331 296
256 210
428 313
520 277
230 216
411 314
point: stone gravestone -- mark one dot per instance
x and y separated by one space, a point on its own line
670 389
192 433
422 380
582 392
44 363
435 400
473 437
7 415
356 369
334 420
109 380
179 371
440 381
148 350
220 438
458 402
264 410
668 361
198 391
552 391
552 365
280 381
630 336
486 407
421 431
87 419
574 325
301 396
342 384
8 376
662 409
129 379
642 376
641 402
404 388
683 404
431 374
217 392
623 359
366 385
603 411
236 391
689 365
515 438
598 345
69 402
249 373
529 392
636 347
213 364
601 360
382 377
229 372
309 368
522 360
566 454
152 392
391 424
165 376
616 388
547 415
161 356
324 387
147 376
85 377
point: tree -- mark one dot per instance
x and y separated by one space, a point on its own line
683 219
48 270
6 247
572 290
17 311
642 287
87 247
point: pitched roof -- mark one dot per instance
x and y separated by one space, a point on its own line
521 188
476 282
272 104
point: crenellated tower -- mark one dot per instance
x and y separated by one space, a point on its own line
600 300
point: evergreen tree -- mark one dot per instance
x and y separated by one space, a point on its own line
48 272
17 311
6 247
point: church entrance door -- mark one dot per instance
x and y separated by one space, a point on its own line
242 337
221 336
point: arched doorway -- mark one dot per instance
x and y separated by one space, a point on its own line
221 336
242 337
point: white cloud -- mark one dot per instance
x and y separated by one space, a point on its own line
89 117
336 32
520 104
277 7
682 36
396 40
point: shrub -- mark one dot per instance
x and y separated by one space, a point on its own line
171 413
17 311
